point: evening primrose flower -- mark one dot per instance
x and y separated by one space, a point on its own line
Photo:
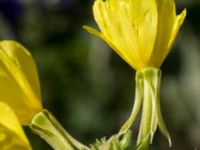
19 83
142 33
12 136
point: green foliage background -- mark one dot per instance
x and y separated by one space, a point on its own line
88 87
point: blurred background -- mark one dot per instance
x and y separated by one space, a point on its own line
88 87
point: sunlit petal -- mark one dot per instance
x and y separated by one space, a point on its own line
12 137
19 83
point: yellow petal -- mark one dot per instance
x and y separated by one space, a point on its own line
130 26
144 20
12 137
100 35
178 23
19 84
166 19
106 14
176 26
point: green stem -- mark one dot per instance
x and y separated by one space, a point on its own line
46 126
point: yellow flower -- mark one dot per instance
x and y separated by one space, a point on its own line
140 31
19 83
12 136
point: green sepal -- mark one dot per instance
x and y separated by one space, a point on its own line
47 127
148 95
